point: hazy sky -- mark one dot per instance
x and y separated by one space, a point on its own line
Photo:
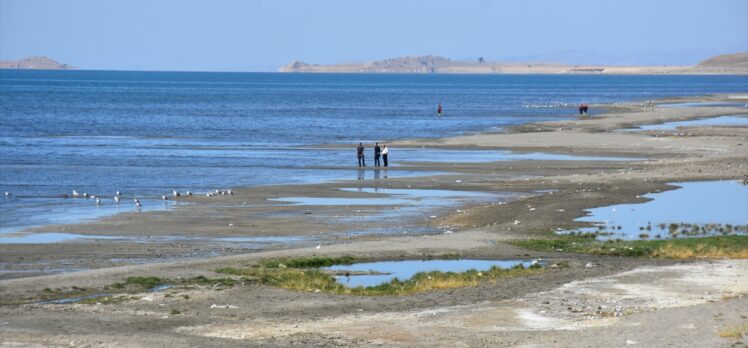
264 34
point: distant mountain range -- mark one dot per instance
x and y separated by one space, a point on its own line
40 63
724 64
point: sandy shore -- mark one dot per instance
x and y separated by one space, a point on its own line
558 307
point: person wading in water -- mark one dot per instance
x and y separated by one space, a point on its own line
377 153
360 154
385 152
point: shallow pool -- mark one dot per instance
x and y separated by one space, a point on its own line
708 205
388 270
732 120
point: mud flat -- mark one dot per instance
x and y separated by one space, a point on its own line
577 299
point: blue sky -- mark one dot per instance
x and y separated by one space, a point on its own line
260 35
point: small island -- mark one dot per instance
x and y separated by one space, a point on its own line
35 63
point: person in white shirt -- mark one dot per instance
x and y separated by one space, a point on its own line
385 152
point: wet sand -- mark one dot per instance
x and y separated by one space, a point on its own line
545 196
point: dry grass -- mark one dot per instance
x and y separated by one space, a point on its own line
736 332
698 251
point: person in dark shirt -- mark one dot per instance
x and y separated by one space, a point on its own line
377 153
360 153
439 110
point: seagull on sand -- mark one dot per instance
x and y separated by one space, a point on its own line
137 203
189 193
175 193
116 199
117 194
97 201
75 193
164 197
8 194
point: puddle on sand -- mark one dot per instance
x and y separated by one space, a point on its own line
46 238
705 104
714 203
398 197
341 201
388 270
477 156
732 120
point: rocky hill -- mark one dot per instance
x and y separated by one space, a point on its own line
726 61
40 63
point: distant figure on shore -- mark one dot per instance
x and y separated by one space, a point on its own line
360 154
583 108
385 152
439 110
377 153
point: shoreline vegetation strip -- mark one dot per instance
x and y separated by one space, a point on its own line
718 247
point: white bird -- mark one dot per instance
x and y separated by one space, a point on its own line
164 197
231 192
209 194
85 195
117 194
176 194
75 193
319 246
8 194
97 201
189 193
116 199
137 203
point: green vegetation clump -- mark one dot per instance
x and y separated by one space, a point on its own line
145 282
734 247
307 262
314 280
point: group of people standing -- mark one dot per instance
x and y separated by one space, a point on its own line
378 152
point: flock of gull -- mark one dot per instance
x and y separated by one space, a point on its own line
118 196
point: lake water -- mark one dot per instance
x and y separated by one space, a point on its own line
146 133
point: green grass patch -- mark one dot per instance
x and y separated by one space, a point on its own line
314 279
307 262
145 282
733 247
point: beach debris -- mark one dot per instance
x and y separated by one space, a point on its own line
458 181
589 265
231 224
560 210
516 222
432 217
226 306
319 246
631 342
448 232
